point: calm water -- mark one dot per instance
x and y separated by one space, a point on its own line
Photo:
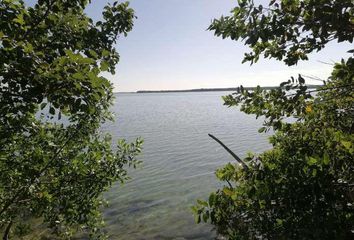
179 161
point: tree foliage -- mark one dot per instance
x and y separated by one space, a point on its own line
287 30
53 169
303 188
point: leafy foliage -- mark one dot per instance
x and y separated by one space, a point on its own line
53 169
287 30
303 188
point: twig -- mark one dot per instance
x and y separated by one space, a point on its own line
314 78
45 15
244 165
321 89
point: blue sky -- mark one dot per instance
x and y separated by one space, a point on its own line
169 48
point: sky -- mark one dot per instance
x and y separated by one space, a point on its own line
170 48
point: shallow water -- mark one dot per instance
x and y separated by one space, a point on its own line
179 161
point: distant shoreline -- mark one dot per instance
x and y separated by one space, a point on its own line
213 89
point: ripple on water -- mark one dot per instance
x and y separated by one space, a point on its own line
179 161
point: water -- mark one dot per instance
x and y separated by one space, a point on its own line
179 161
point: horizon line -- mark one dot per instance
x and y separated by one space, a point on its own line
206 89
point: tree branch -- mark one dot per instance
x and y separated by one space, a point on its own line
45 15
244 165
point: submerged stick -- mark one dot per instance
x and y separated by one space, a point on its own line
244 165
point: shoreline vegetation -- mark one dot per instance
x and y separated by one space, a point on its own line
215 89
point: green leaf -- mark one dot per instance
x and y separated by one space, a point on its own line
19 19
312 161
262 129
346 144
52 110
202 203
93 53
279 222
228 191
197 218
79 75
326 159
105 53
206 217
104 66
212 199
43 105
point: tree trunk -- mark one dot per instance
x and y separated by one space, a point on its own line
7 231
